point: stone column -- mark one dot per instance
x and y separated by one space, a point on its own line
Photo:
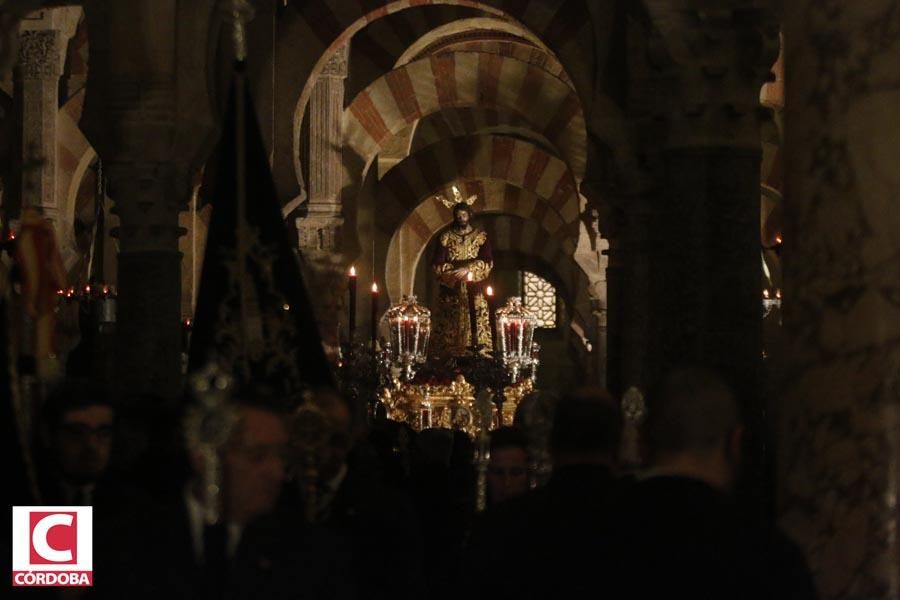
628 292
37 95
636 301
320 231
706 283
614 316
148 198
706 290
601 343
839 414
148 114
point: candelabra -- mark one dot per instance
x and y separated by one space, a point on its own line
99 298
410 328
515 328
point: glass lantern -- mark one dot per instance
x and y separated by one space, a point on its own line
410 328
515 330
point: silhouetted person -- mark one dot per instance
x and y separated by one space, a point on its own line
77 433
374 525
253 551
542 544
507 473
679 534
444 489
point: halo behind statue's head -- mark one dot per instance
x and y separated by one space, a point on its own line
457 200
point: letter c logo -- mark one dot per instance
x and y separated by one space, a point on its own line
42 530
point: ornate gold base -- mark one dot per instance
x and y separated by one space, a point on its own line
453 406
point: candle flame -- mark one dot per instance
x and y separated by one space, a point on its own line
374 287
469 276
778 294
352 271
765 293
489 291
187 322
778 239
87 289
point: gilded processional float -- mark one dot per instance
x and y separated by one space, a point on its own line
445 392
466 364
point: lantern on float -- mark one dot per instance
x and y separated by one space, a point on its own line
515 330
410 327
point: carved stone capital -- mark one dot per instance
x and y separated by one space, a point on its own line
320 233
38 54
711 65
336 66
147 199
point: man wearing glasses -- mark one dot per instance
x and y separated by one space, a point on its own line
78 428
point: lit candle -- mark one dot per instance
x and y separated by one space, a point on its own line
374 315
473 320
492 317
765 293
351 285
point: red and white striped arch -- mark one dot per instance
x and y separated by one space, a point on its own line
563 26
517 162
492 36
470 120
456 79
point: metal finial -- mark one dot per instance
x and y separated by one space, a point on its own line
239 12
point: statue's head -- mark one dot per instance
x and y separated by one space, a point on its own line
462 213
461 207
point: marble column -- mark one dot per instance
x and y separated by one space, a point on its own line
320 231
839 414
37 95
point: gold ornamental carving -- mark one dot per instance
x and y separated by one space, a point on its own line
448 405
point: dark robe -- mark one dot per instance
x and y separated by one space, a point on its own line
681 538
543 544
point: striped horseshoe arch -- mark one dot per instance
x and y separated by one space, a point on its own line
517 162
432 84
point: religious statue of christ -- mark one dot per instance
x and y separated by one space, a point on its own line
463 255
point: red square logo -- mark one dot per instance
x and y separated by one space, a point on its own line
54 538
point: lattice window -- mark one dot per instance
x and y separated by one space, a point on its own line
539 296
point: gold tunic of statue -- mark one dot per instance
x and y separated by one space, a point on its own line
460 251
